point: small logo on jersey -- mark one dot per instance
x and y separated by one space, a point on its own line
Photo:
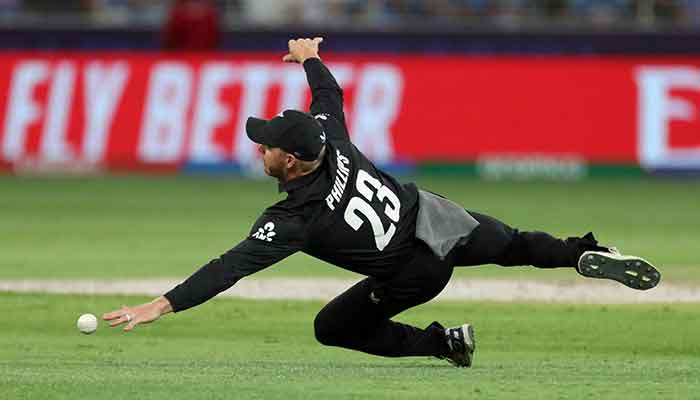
266 233
323 133
373 298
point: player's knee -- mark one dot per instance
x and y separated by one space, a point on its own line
515 252
325 331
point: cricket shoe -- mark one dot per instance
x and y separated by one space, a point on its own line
462 343
634 272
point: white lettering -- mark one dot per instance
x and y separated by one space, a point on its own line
103 89
209 112
343 173
167 99
22 110
364 181
329 202
377 104
256 80
657 108
294 87
342 160
343 74
54 146
337 191
359 205
341 180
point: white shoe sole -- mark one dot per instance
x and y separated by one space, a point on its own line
634 272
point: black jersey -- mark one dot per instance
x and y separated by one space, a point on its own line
347 212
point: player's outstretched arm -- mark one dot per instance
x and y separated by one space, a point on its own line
326 94
141 314
270 241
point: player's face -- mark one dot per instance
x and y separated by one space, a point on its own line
274 161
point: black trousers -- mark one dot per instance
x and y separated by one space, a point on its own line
360 318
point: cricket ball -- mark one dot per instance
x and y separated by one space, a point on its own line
87 323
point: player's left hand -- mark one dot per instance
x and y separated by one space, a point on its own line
302 49
141 314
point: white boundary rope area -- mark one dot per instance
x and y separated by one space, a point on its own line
591 291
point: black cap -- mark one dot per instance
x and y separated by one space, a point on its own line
295 132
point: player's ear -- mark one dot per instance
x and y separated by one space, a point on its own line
290 160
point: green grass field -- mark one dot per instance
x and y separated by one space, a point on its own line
154 227
266 350
131 227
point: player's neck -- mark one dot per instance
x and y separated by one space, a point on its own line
291 175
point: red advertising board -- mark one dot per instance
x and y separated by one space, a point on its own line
137 110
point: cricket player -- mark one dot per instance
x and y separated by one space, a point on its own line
341 209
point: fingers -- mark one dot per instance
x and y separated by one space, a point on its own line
302 49
120 320
131 325
121 316
131 320
133 316
115 314
315 41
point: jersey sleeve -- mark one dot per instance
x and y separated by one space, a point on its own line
326 97
271 239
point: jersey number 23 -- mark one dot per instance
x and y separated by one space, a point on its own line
359 208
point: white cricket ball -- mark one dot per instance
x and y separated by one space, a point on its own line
87 323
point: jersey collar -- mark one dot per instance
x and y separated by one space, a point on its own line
299 182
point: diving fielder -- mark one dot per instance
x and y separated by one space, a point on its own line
341 209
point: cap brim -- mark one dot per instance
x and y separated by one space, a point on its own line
255 128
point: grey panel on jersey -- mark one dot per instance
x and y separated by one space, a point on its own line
441 223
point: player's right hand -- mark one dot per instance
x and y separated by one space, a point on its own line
302 49
141 314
